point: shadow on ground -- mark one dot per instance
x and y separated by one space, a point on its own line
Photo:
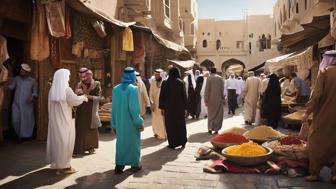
149 142
154 161
21 153
101 180
43 177
200 138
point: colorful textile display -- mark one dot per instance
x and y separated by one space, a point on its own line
55 13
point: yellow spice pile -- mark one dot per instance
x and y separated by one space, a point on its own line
246 149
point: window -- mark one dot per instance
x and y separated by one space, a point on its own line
250 47
305 2
181 24
297 8
208 33
289 8
167 8
218 44
205 43
192 29
220 33
240 44
203 33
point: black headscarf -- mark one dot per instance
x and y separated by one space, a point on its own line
174 73
273 87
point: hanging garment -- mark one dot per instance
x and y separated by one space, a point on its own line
127 40
39 46
55 13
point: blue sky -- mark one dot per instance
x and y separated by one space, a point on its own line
232 9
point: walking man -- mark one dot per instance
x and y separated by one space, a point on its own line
127 122
251 91
214 100
154 95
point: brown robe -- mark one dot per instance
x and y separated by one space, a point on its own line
321 137
86 137
214 98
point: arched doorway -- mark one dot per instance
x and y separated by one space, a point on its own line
233 65
207 64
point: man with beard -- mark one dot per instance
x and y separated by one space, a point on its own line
190 84
23 117
154 95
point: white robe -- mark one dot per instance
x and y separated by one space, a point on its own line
204 109
251 91
143 96
240 92
157 118
61 130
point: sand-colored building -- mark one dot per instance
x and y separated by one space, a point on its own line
302 23
235 44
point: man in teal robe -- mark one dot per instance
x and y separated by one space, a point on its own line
126 121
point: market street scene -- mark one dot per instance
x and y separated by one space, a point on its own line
168 94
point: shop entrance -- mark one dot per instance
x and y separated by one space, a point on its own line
16 51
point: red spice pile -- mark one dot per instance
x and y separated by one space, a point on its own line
290 140
229 138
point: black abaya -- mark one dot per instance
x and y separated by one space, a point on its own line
173 101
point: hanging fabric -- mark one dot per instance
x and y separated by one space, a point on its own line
39 46
127 40
139 48
67 23
333 24
55 12
3 50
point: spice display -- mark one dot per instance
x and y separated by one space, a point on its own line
235 130
289 140
230 138
277 146
295 116
263 133
246 149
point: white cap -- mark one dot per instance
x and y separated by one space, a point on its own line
26 67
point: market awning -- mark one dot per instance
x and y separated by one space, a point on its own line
302 59
88 8
311 35
257 67
184 64
169 44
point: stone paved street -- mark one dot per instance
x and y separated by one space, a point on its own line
23 166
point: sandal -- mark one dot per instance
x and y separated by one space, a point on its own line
69 170
312 178
92 151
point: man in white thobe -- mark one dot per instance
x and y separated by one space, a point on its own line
231 89
240 90
204 108
251 92
61 127
157 117
143 95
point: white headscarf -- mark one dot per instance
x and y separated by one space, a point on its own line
59 85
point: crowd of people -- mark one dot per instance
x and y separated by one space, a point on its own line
172 98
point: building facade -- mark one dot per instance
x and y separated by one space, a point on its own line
295 20
226 43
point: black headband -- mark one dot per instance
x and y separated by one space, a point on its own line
128 71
